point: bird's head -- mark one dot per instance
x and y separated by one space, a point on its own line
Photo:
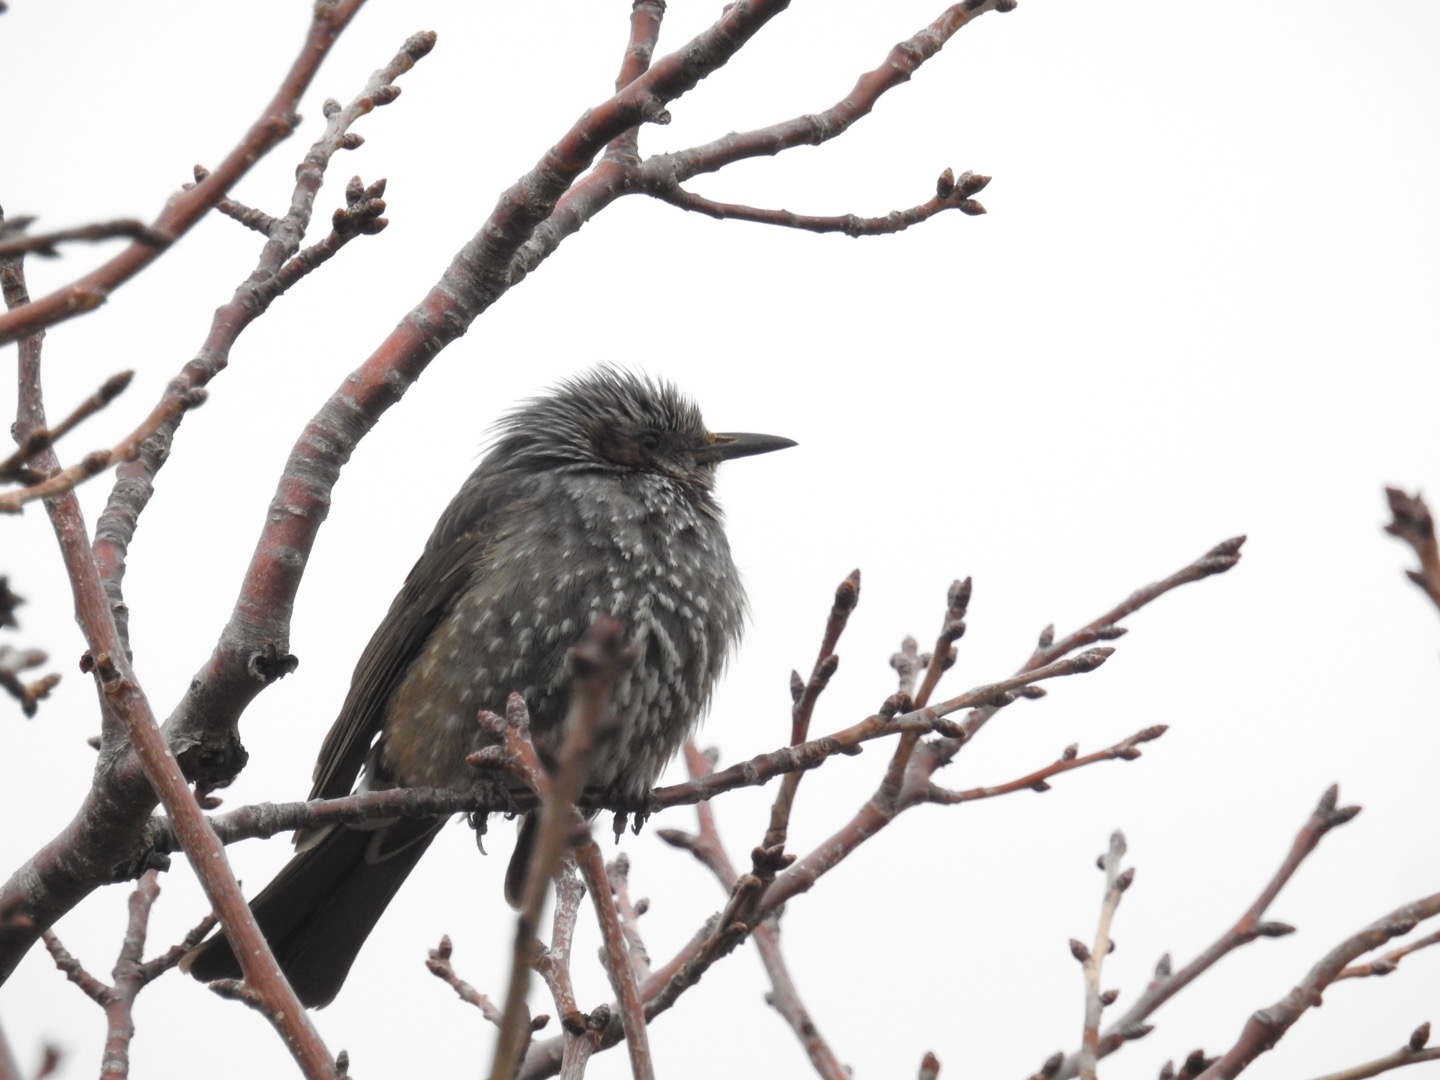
613 421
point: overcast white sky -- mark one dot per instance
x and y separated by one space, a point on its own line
1202 304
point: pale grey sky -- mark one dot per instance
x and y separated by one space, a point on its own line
1202 304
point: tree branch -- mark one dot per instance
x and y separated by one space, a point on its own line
184 210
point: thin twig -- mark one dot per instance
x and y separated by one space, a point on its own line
43 438
1249 927
1384 965
126 709
804 696
784 997
553 963
852 225
1124 750
184 210
1410 520
44 243
1092 960
617 960
131 975
1268 1025
1412 1053
596 662
96 462
438 964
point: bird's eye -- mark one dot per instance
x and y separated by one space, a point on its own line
650 440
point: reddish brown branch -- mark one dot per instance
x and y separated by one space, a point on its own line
127 714
1410 520
645 19
815 128
184 210
109 826
663 174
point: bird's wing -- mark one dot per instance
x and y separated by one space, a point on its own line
441 575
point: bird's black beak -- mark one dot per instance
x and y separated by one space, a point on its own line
737 444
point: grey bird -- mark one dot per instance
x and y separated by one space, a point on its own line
595 498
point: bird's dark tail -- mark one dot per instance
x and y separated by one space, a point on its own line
321 907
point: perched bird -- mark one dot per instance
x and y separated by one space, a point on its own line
595 498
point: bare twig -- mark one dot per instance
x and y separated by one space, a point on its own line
1093 959
630 911
131 975
1412 1053
1249 927
765 767
852 225
596 662
942 657
44 243
40 438
92 464
126 711
118 808
1268 1025
1384 965
804 696
184 210
784 997
1124 750
1410 520
617 960
553 963
438 964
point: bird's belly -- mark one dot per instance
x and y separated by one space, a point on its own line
485 649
